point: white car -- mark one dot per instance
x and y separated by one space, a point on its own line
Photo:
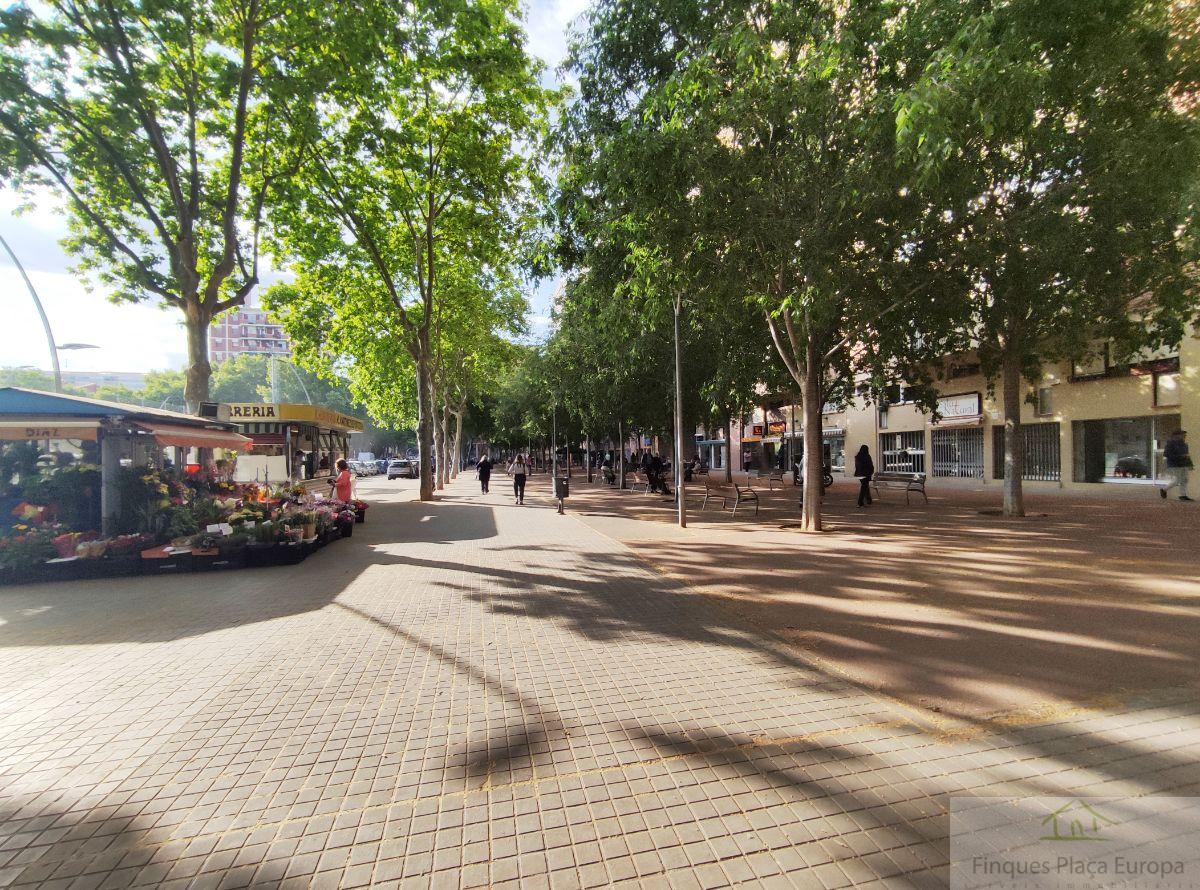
399 468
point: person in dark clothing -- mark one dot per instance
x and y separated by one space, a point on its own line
485 472
864 469
1179 463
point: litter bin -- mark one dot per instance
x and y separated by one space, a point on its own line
562 487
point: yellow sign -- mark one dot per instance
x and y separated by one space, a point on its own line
247 412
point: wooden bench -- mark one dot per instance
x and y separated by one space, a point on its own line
910 482
740 493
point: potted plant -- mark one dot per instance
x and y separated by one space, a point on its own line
306 521
360 510
23 556
260 548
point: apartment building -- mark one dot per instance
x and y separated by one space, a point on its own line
246 331
1084 424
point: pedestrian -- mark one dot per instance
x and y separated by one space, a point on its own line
864 469
343 483
1179 462
518 470
485 472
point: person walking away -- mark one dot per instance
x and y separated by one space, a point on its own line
864 469
485 473
518 470
1179 462
343 482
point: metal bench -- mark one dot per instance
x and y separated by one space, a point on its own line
640 480
772 476
910 482
740 493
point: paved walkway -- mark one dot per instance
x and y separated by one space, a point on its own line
469 693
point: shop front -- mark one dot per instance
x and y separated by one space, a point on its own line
296 442
1122 449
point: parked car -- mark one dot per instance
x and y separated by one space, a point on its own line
399 468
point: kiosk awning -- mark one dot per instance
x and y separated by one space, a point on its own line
16 429
182 436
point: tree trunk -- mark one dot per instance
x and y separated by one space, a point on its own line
1014 441
195 389
458 415
681 501
439 440
620 455
810 520
729 449
424 417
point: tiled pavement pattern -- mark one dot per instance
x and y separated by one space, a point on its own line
503 699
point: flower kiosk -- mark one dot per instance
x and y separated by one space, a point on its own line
297 443
90 488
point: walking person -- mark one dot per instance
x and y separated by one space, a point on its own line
864 469
1179 463
485 472
518 470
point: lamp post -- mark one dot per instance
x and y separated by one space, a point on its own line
41 313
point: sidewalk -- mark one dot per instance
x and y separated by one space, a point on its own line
940 606
469 693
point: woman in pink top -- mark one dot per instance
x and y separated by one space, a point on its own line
341 485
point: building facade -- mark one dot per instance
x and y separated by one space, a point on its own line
246 331
1085 425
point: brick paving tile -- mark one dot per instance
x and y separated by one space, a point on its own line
471 694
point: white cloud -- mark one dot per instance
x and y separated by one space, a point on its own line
548 21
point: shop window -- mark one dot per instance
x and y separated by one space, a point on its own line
1095 365
1166 389
1043 454
835 453
903 452
1121 449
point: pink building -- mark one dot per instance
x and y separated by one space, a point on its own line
246 331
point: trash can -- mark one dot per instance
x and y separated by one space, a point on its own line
562 487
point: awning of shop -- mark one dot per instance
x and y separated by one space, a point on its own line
268 438
964 420
748 440
832 431
712 442
15 429
182 436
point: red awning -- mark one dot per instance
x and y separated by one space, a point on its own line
196 437
964 420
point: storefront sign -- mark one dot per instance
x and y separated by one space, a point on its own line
777 428
964 405
245 412
253 412
22 429
756 429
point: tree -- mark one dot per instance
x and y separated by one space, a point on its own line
1058 138
766 136
418 158
160 126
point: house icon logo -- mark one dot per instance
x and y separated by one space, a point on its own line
1076 821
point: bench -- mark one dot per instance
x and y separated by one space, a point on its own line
772 476
740 493
910 482
639 480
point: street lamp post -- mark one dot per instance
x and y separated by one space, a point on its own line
41 313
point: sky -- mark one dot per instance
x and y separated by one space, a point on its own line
144 337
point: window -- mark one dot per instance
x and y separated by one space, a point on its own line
903 452
958 453
1121 449
1042 452
1094 365
1044 401
1166 389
